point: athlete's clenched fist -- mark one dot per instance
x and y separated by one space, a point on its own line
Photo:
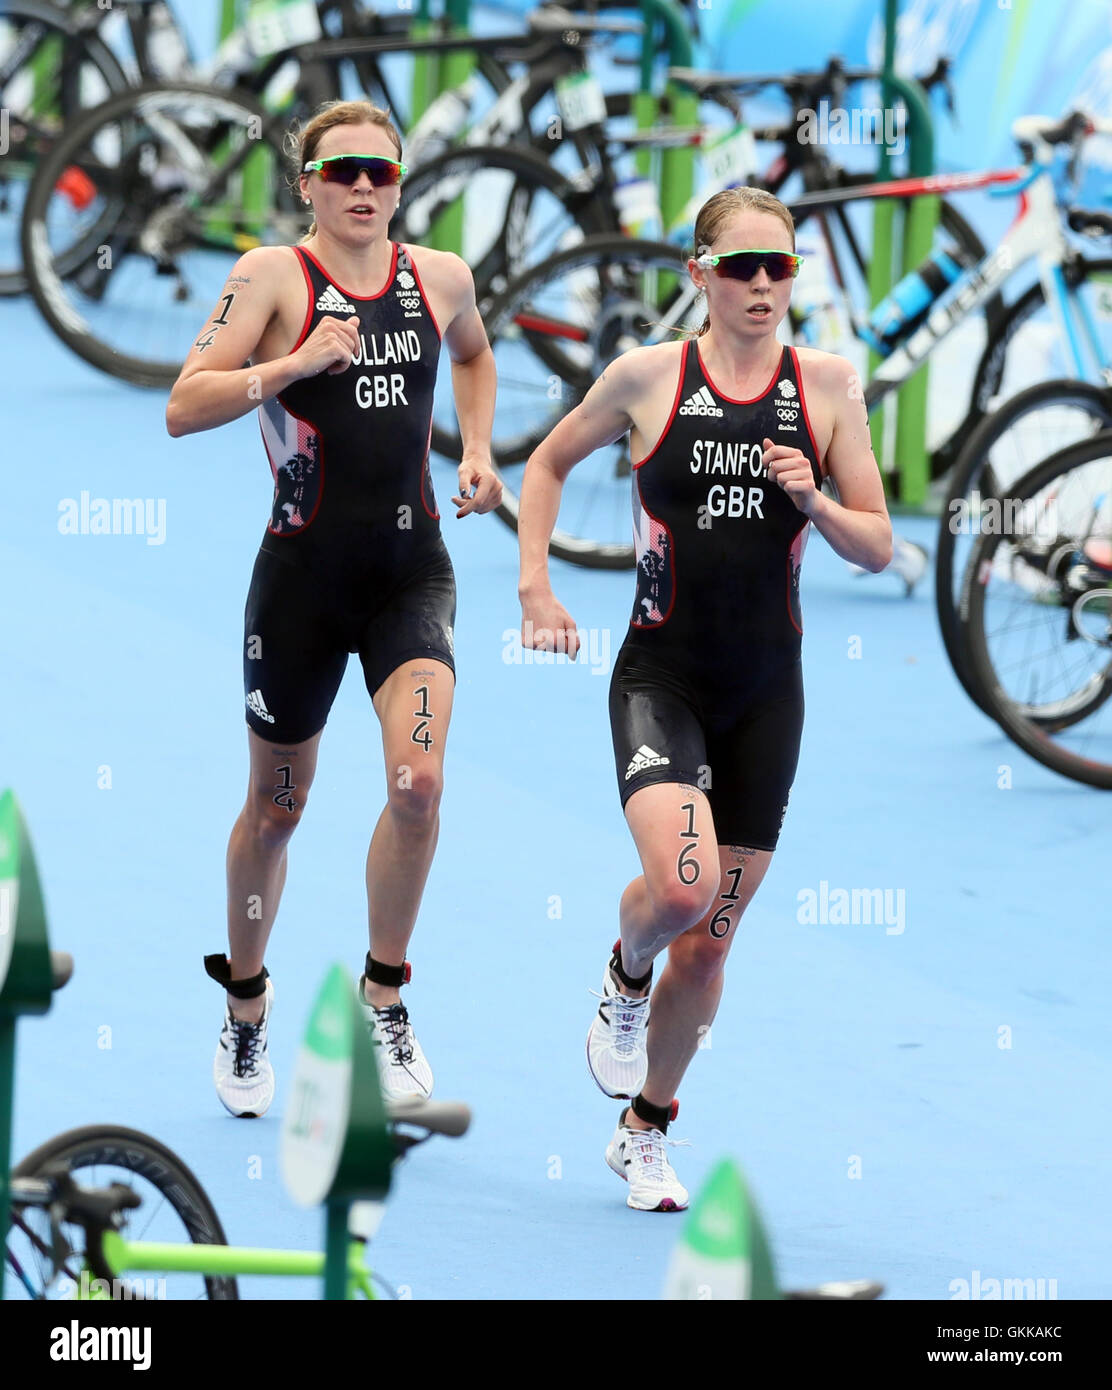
790 470
330 347
547 626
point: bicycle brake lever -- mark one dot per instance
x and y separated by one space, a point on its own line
951 101
60 1248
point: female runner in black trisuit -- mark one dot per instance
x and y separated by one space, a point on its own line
731 435
343 334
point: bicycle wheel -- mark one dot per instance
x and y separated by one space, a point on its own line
513 208
950 413
1003 447
553 331
177 182
1025 347
51 69
174 1208
1039 622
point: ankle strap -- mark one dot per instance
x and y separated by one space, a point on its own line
219 968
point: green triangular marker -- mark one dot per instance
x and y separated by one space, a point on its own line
335 1145
723 1252
26 982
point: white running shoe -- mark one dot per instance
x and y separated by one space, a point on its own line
403 1069
616 1052
241 1069
640 1157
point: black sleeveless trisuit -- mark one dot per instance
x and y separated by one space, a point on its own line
352 559
707 687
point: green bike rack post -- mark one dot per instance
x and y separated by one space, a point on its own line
26 977
881 264
433 74
425 65
229 19
259 176
446 233
723 1251
677 167
673 170
254 181
917 234
336 1148
45 64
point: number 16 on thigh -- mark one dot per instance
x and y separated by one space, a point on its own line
687 865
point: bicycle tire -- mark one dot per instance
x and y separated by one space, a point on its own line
972 252
608 249
950 220
510 252
47 282
969 475
92 1146
57 24
990 369
1035 738
530 173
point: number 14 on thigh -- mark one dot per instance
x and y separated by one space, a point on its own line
420 734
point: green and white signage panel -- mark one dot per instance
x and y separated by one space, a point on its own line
335 1145
25 974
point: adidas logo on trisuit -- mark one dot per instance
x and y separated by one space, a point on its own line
333 302
701 403
643 759
257 705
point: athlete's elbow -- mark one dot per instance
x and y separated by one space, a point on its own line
178 418
542 462
882 554
175 417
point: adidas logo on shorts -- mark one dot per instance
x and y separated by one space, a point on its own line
643 759
257 705
333 302
701 403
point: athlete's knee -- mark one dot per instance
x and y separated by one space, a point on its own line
678 904
273 816
698 958
415 793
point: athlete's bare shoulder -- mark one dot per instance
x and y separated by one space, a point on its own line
268 264
646 370
835 398
265 275
827 376
444 269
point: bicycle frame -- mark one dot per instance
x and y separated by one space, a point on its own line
124 1256
1036 233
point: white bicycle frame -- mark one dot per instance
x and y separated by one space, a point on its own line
1036 233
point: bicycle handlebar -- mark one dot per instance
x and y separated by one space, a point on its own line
1036 136
61 968
449 1117
56 1188
1029 130
814 84
1088 223
553 19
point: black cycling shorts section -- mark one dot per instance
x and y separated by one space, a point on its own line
741 752
298 634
